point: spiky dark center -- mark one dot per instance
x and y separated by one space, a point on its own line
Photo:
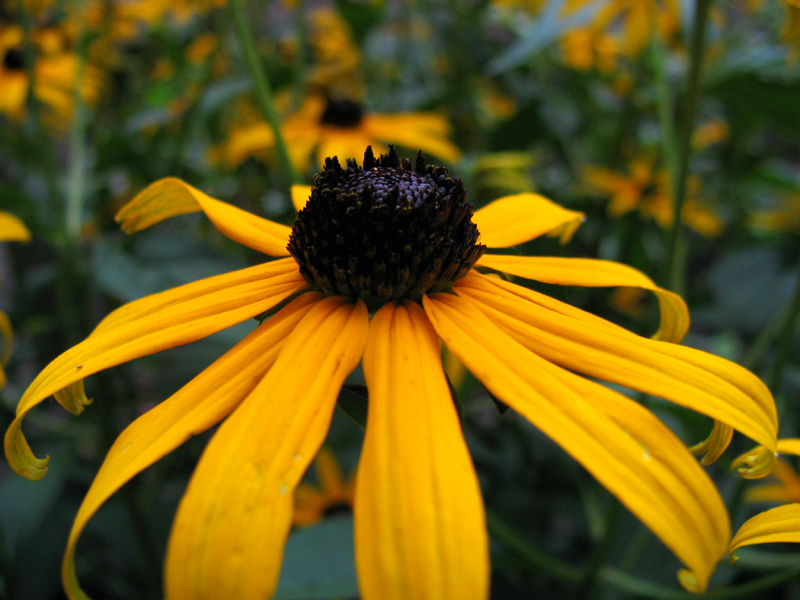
385 231
342 113
14 60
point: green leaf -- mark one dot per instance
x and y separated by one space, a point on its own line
319 563
354 400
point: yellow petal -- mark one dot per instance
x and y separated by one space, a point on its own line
12 229
228 536
200 404
149 326
715 444
516 219
628 450
703 382
420 529
587 272
787 490
780 524
417 131
300 195
789 446
329 474
7 336
170 197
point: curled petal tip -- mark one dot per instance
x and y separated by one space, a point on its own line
690 582
755 464
19 454
73 398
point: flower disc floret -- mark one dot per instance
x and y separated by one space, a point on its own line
342 113
14 60
385 231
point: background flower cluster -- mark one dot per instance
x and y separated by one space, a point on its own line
621 109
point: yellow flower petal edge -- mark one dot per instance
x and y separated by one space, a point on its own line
7 336
516 219
234 297
420 528
715 444
629 451
779 524
784 492
170 197
200 404
300 195
242 489
789 446
692 378
587 272
12 229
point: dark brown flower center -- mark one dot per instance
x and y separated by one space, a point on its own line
342 113
385 231
14 60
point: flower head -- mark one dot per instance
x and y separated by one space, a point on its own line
359 294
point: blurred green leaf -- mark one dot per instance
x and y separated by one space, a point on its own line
319 562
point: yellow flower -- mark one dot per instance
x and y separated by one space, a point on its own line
784 218
780 524
647 190
340 127
54 76
11 229
333 495
383 262
586 47
791 27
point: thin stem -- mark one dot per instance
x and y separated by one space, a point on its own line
664 103
590 573
634 585
261 86
76 176
675 256
533 556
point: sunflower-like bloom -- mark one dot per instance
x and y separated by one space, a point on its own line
779 524
341 127
11 229
383 262
647 190
55 74
333 495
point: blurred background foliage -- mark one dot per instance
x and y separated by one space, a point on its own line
585 102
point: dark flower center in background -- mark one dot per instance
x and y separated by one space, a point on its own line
342 113
340 508
385 231
14 60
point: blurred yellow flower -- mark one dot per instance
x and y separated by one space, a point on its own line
55 75
791 26
332 496
646 189
786 217
11 229
341 127
378 270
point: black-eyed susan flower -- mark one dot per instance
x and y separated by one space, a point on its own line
11 229
647 190
332 494
342 127
779 524
383 262
55 75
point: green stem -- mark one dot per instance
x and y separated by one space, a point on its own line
76 176
261 86
590 573
675 256
634 585
664 103
533 556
